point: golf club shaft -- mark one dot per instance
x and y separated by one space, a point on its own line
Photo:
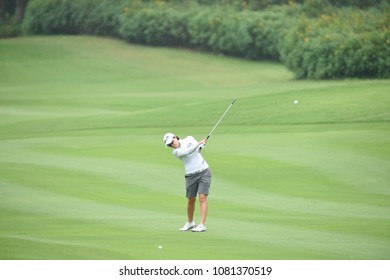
234 100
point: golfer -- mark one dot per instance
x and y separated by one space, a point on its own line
197 177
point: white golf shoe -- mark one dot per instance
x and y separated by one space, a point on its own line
199 228
188 226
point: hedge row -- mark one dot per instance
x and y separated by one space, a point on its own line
314 40
73 17
249 34
156 24
343 43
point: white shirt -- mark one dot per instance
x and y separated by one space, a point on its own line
189 154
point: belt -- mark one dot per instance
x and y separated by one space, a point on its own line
197 172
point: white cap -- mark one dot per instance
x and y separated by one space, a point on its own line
168 138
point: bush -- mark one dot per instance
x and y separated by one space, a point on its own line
246 33
269 29
314 39
346 43
50 17
220 30
154 24
72 17
100 17
9 28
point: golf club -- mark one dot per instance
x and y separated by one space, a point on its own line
234 100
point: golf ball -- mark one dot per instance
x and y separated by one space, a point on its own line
160 247
295 101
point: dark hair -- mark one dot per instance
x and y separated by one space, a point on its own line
177 137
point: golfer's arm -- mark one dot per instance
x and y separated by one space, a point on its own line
184 152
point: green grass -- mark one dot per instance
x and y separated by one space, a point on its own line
84 173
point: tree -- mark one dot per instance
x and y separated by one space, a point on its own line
9 8
20 7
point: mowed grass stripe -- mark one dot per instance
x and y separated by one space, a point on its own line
140 174
62 207
100 182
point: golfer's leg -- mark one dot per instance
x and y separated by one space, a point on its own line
191 209
203 208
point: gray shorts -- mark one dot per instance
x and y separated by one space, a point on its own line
198 183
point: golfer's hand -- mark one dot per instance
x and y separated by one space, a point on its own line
202 144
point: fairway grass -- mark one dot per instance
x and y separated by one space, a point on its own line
84 173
